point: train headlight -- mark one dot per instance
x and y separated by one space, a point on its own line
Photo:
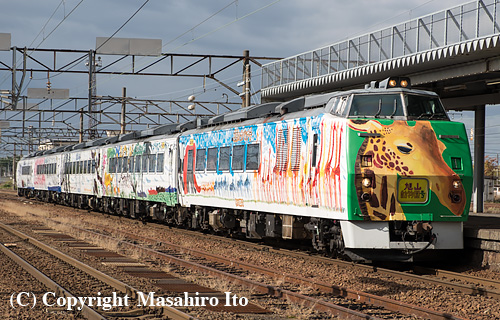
404 83
392 83
366 182
457 184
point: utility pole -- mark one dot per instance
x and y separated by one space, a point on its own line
92 64
14 171
246 79
80 140
124 107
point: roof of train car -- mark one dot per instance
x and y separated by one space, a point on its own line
309 105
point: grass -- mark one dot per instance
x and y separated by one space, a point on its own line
7 185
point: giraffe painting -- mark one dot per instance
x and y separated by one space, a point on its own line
402 157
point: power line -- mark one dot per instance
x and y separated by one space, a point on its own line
123 25
199 24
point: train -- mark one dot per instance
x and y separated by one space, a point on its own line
379 173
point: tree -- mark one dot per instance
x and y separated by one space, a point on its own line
490 166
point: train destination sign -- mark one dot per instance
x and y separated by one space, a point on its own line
413 190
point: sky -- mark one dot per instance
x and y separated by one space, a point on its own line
272 28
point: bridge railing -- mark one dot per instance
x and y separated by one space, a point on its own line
452 26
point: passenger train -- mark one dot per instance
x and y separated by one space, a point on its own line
379 173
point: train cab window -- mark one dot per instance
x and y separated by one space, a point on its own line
201 155
152 162
238 158
224 155
212 159
376 105
160 161
145 163
253 158
25 170
137 163
424 107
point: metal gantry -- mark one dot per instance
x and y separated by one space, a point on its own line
26 124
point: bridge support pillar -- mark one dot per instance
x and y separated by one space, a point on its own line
479 129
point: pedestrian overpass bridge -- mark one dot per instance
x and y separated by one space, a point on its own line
454 52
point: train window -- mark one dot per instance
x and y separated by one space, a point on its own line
124 164
212 159
238 157
25 170
427 107
376 105
160 162
137 163
112 162
93 166
152 162
189 160
131 162
145 163
200 159
253 158
341 108
118 165
84 169
224 155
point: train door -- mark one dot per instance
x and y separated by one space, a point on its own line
170 170
188 172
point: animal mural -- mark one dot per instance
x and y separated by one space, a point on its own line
400 150
286 173
140 170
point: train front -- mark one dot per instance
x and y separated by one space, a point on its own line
410 175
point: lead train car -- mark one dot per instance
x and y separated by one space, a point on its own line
374 174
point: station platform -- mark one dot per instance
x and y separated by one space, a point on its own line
482 239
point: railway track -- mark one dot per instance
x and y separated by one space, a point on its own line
64 268
468 287
211 264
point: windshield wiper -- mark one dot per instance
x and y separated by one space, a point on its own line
422 115
379 108
395 108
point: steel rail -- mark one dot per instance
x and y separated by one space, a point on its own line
88 312
270 290
117 284
457 276
386 303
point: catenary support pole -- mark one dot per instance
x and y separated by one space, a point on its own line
479 125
